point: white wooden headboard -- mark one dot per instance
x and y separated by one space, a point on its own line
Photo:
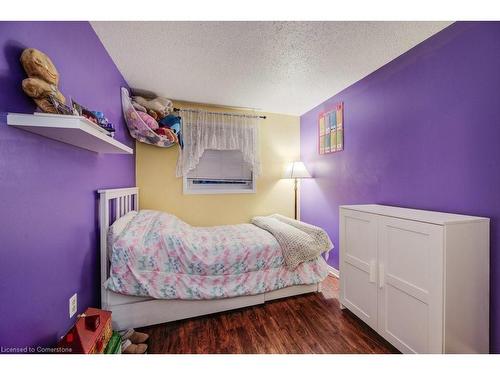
113 204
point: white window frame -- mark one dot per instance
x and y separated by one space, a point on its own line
189 190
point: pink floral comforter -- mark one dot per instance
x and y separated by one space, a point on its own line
160 256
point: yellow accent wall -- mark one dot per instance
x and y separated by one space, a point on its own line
161 190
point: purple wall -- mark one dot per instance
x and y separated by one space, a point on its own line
423 131
48 215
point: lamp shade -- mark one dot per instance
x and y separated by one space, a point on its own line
296 169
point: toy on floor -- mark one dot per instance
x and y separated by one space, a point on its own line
114 344
90 334
42 81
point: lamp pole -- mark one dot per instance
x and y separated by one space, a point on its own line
296 170
295 188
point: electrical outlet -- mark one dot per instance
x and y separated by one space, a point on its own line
73 305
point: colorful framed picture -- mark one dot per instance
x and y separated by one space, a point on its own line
331 130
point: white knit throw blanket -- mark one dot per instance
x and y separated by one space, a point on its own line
299 241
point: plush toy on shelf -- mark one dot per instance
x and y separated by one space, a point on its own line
103 122
42 81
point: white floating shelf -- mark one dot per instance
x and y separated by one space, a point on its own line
74 130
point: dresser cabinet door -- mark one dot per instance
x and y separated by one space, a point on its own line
358 259
410 307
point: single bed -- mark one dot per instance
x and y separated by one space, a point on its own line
178 272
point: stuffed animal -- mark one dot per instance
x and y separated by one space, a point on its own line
172 122
167 133
139 107
157 108
136 117
38 65
42 81
148 120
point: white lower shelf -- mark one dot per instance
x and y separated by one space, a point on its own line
74 130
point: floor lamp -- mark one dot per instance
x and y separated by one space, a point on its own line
296 170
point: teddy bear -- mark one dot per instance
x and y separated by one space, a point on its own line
42 81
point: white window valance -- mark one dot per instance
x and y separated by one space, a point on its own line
203 130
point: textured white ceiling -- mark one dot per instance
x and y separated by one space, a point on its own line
283 67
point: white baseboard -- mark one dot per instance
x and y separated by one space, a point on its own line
333 271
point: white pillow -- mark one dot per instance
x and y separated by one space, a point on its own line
117 228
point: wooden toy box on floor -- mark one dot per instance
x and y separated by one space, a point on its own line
84 339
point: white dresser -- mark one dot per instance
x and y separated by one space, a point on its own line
419 278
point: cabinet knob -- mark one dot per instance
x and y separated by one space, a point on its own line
381 276
373 276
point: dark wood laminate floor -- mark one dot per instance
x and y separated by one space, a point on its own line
311 323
